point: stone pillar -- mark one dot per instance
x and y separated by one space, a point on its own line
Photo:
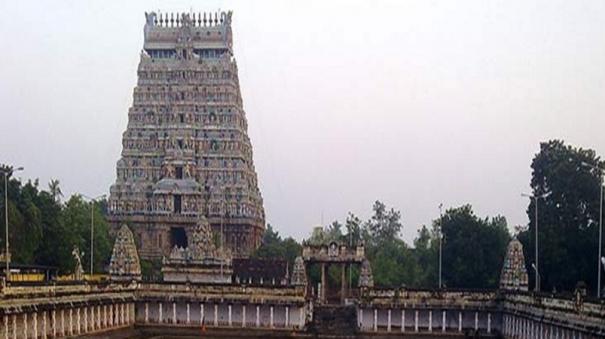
25 325
476 320
215 314
54 323
160 312
271 316
44 327
402 320
35 321
104 316
375 320
188 314
85 319
302 317
257 316
443 315
343 283
78 321
174 313
146 313
389 320
123 313
71 322
322 297
287 316
201 313
360 317
459 321
416 321
430 321
243 315
229 315
489 323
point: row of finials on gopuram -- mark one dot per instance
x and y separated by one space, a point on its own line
186 152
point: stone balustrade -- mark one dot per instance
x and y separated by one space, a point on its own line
65 310
79 309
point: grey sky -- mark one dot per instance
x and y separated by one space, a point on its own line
410 102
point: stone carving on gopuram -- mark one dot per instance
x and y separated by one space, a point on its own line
201 261
124 264
514 274
186 151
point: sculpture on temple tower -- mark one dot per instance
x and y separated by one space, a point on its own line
124 264
186 151
514 274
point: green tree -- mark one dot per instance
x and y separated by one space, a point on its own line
55 190
353 226
568 216
473 248
426 253
384 225
274 247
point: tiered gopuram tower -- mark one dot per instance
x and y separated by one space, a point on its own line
186 152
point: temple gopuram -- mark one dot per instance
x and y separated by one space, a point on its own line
186 152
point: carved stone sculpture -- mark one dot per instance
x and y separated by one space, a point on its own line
514 274
124 264
366 279
78 270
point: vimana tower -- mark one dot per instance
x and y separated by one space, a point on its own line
186 153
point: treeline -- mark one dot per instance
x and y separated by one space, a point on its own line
473 248
44 230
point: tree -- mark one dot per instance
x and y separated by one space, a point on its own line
43 231
473 248
273 247
353 226
55 190
385 225
426 253
568 216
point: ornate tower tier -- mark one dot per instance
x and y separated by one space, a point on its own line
186 151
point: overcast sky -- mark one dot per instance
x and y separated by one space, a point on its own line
414 103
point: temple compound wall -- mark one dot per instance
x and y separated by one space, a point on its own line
65 310
228 306
76 310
